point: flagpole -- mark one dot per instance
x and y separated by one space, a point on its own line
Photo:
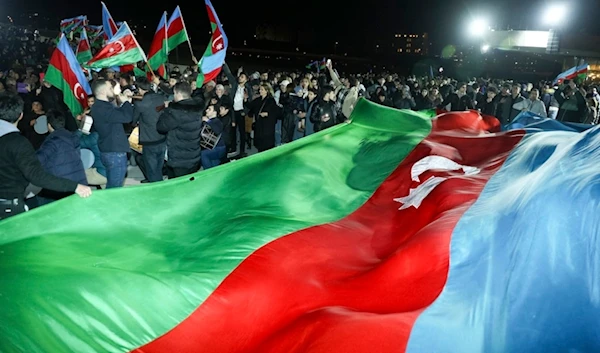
186 34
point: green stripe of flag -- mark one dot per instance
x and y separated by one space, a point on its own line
115 271
56 79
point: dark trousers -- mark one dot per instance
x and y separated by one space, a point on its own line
154 160
179 172
212 158
9 208
116 168
240 123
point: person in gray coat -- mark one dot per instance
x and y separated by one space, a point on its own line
146 113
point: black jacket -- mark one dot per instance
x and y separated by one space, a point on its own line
182 122
488 108
227 121
19 166
233 81
60 156
319 111
458 104
108 122
144 113
216 125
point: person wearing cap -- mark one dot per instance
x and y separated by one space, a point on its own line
19 165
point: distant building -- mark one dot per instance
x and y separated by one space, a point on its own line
411 44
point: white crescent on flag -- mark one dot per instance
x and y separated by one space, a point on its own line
217 43
416 196
78 91
120 50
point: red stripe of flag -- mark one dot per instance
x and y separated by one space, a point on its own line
356 285
59 61
175 27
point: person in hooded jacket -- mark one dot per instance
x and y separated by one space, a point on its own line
19 165
181 122
60 156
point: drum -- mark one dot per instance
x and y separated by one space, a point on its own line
208 138
134 140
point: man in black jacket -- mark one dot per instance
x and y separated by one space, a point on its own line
154 144
19 165
181 121
108 122
241 89
323 114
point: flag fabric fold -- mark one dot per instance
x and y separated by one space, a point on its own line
573 73
65 73
108 24
176 31
393 232
214 57
122 49
158 53
84 51
71 24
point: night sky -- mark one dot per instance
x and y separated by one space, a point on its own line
350 22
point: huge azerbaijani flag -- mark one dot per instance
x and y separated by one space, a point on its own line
393 232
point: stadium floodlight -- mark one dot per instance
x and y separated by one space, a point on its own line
555 14
485 48
478 27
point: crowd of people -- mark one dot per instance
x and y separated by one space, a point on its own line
180 128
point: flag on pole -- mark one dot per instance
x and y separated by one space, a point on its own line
579 71
84 52
65 73
211 62
158 53
176 31
70 24
122 49
109 25
420 235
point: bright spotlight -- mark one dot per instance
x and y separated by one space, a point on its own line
478 27
485 48
555 14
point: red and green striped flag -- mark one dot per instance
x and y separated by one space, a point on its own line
214 57
176 31
122 49
84 52
392 232
71 24
65 73
158 54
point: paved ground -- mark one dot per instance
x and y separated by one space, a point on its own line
135 176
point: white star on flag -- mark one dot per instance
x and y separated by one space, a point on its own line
219 46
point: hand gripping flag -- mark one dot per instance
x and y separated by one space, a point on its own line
158 53
324 257
122 49
211 62
109 25
176 31
84 52
66 74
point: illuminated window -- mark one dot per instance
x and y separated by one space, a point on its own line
405 36
408 50
400 50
